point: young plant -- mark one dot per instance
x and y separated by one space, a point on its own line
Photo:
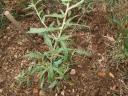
2 18
52 65
122 36
112 3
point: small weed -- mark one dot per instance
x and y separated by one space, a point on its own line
52 65
112 2
2 18
122 36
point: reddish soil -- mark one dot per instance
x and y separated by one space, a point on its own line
97 75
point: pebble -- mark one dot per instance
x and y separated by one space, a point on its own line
1 79
20 43
108 93
1 90
62 93
73 90
79 66
41 93
16 56
72 72
56 94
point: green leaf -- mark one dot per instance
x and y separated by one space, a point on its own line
58 22
42 82
50 73
63 44
37 2
40 12
52 24
67 23
35 69
82 52
65 52
42 30
125 20
65 1
53 84
55 15
59 71
21 76
126 43
112 2
47 40
116 21
58 62
63 37
37 55
42 77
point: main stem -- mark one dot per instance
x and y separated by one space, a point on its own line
63 24
34 6
64 20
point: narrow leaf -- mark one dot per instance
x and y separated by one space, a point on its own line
47 40
42 30
37 55
53 84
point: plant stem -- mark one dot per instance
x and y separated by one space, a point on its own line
63 24
12 19
38 14
64 20
66 13
76 5
34 6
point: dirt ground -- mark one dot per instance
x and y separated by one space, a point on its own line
97 75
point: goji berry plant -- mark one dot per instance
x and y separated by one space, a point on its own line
52 65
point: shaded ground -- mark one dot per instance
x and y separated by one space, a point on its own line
98 75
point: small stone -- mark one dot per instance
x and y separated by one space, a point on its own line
79 66
72 72
1 79
8 27
5 37
64 87
20 43
73 90
62 93
108 93
1 90
41 93
15 56
56 94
